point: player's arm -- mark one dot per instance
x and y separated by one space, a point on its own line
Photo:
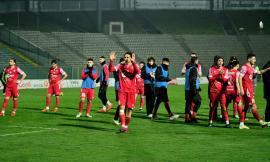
212 76
183 70
199 70
106 72
237 83
263 71
192 80
94 74
160 77
225 76
64 74
22 73
84 74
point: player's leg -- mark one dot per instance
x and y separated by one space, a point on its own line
57 91
165 99
267 110
141 92
197 104
122 116
5 104
213 106
188 106
81 103
157 103
90 98
130 105
48 98
148 97
241 113
224 110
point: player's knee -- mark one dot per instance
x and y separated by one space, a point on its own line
15 98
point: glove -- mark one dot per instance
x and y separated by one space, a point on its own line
97 80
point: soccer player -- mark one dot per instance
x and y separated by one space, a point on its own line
192 88
88 75
3 80
140 86
246 87
199 67
103 79
232 92
266 89
218 77
127 87
148 74
114 69
12 73
54 77
161 92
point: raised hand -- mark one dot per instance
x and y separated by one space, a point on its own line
112 56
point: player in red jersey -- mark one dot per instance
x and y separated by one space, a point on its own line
246 87
88 75
12 73
218 76
140 86
127 87
233 91
54 76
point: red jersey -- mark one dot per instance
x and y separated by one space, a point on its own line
217 80
13 74
233 74
247 73
126 84
139 80
55 74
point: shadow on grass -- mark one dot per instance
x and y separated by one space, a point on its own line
89 120
87 127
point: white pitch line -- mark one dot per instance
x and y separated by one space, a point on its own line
29 132
21 133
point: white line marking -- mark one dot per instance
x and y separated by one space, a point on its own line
29 132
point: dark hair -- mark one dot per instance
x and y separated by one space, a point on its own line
234 63
151 58
121 59
250 55
233 58
54 62
216 58
90 59
102 57
142 62
129 53
193 59
14 59
166 59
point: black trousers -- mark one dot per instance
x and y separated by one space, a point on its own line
192 98
4 86
149 97
267 110
102 94
161 95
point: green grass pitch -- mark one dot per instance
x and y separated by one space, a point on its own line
34 136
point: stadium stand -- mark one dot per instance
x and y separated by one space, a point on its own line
260 45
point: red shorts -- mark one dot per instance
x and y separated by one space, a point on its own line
87 92
127 99
248 97
54 89
140 91
12 91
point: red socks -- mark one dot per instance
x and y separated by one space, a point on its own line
48 100
15 105
89 104
142 102
4 105
81 106
57 100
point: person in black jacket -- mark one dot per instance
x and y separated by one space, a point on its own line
3 80
192 88
148 74
161 85
266 88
